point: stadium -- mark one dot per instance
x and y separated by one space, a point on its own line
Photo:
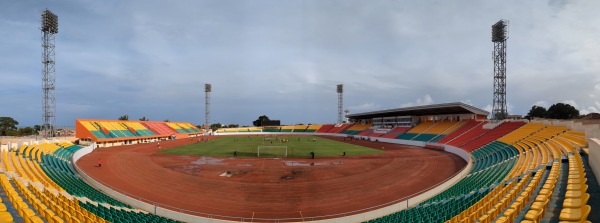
434 163
438 162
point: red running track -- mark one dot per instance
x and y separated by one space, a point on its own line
268 188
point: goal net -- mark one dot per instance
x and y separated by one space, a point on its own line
272 151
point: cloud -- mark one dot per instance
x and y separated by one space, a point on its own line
284 58
588 110
468 102
426 100
488 108
363 107
584 108
572 103
542 103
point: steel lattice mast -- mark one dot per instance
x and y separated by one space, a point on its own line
499 37
340 91
207 90
49 29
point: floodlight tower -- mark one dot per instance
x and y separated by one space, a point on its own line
207 90
499 37
340 91
49 29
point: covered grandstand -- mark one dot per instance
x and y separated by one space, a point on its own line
456 111
119 132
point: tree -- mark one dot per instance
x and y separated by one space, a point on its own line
216 126
258 122
124 117
37 128
8 123
166 120
144 119
26 131
9 133
562 111
537 112
233 126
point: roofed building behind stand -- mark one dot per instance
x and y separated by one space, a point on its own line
428 123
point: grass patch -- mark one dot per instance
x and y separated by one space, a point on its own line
246 146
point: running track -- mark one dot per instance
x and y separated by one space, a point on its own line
331 186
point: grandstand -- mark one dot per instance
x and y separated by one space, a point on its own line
41 186
509 181
520 171
117 132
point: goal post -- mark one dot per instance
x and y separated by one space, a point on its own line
272 151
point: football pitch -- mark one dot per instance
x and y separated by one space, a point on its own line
271 146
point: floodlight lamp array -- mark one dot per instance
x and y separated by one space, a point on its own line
499 31
49 22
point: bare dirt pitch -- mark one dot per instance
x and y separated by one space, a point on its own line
268 188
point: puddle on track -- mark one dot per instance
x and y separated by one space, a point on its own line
209 161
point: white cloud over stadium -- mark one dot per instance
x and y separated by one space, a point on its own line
283 59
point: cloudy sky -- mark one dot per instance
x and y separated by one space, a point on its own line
284 59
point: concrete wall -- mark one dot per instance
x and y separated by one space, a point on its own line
370 213
594 157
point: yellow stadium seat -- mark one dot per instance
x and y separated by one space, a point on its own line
59 211
453 220
576 193
74 219
547 191
534 215
35 219
574 187
48 214
576 202
79 215
23 209
485 219
65 215
575 214
539 205
502 220
2 207
57 219
27 213
577 181
6 217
